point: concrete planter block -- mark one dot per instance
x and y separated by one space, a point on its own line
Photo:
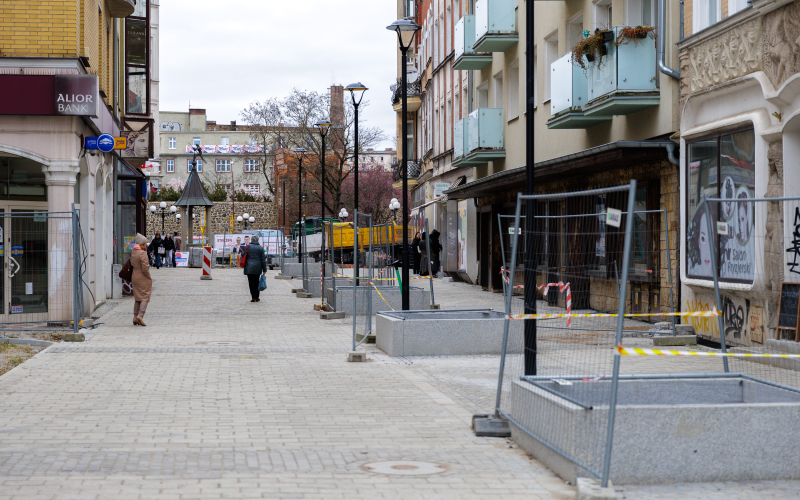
73 337
196 257
418 297
116 282
314 269
443 332
666 431
674 339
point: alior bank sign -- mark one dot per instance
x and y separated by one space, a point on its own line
64 95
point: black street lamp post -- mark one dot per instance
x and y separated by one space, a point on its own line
300 226
163 212
360 89
405 29
323 126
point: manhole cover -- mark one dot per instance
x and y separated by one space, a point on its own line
224 342
405 468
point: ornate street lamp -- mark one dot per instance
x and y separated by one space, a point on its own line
405 29
394 205
323 126
245 218
356 90
163 212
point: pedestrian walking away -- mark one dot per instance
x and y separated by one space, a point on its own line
141 282
157 249
177 242
169 250
255 264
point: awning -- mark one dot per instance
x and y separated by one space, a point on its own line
513 178
459 181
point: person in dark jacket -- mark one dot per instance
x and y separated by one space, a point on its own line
415 253
424 262
435 251
154 246
169 249
254 265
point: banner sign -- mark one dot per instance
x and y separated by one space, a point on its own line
181 259
239 241
225 149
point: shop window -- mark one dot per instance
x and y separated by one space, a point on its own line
721 166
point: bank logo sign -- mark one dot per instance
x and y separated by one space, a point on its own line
105 143
76 95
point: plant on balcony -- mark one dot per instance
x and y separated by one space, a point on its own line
593 47
634 33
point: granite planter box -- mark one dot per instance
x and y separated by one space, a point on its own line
343 297
442 332
314 269
666 430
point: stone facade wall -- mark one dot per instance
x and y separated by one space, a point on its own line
773 240
265 214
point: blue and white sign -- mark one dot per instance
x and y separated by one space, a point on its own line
105 143
90 142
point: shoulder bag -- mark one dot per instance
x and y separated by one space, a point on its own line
244 257
126 273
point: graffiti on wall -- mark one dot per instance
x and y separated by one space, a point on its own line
793 259
743 323
167 126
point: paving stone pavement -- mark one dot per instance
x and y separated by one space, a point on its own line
222 398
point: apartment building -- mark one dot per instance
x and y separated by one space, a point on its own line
378 158
738 128
232 155
71 70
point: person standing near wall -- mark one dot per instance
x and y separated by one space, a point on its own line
435 251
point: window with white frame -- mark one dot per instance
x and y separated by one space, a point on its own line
223 165
735 6
170 166
196 141
513 90
575 29
159 166
173 142
498 90
225 141
483 95
189 165
251 165
227 187
447 127
252 188
640 12
447 17
550 56
254 141
704 14
602 15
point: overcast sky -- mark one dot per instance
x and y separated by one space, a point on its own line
223 55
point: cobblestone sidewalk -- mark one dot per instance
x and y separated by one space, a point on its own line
219 397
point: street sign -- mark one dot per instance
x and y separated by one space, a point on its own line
120 142
90 142
105 143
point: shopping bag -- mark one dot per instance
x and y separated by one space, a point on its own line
262 283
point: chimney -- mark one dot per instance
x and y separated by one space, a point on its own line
337 115
233 125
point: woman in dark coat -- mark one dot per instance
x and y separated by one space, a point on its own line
169 247
415 253
254 265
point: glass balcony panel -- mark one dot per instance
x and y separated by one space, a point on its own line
625 81
459 144
486 129
495 25
465 56
569 86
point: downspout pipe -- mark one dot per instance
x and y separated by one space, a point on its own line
662 15
671 154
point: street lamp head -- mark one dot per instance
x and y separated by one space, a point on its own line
395 204
356 89
405 29
173 209
394 200
239 219
323 126
245 215
300 151
178 216
252 219
153 208
163 204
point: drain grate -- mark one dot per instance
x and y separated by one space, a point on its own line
405 468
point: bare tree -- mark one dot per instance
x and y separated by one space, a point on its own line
265 121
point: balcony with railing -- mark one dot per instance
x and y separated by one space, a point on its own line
495 25
465 56
478 139
625 81
413 95
569 92
414 171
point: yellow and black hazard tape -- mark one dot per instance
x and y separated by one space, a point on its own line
660 352
704 314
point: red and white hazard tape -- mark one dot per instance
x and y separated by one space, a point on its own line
561 288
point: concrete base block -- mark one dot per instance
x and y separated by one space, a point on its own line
73 337
674 339
356 356
491 427
282 277
591 489
295 290
304 295
331 315
87 322
206 277
343 298
684 330
116 282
